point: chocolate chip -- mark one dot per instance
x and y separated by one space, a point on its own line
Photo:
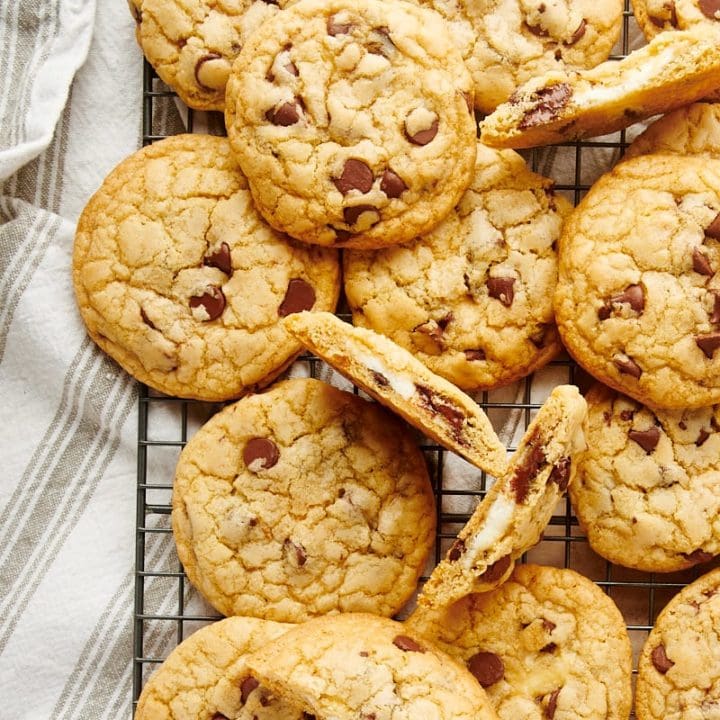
548 625
364 653
287 114
452 414
627 366
336 28
352 214
528 469
246 687
220 259
703 435
299 296
291 67
537 30
700 262
708 343
306 716
407 644
383 44
496 570
356 175
456 551
656 21
560 474
710 8
715 315
547 101
476 354
551 706
392 184
660 659
633 295
423 137
698 556
501 288
577 34
298 550
487 668
261 449
212 301
549 648
380 379
627 415
146 319
199 69
341 235
713 229
646 439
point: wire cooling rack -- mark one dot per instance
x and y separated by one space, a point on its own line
168 609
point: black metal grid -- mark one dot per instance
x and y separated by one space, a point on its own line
167 608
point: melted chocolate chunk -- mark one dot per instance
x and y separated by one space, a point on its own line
560 474
528 469
456 551
356 175
627 366
352 214
220 259
423 137
300 296
660 659
337 28
577 35
298 550
646 439
487 668
501 288
407 644
710 9
213 302
713 229
548 101
476 354
392 184
698 556
246 687
260 449
380 379
708 343
146 319
551 706
452 414
495 571
286 114
700 263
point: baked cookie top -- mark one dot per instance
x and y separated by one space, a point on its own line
638 298
394 377
547 645
678 672
353 121
647 491
202 678
674 69
654 16
691 130
506 42
300 501
361 666
192 43
513 515
181 282
472 298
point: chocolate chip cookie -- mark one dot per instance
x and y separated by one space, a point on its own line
205 677
472 298
361 666
547 645
300 501
673 70
516 510
180 280
678 671
193 43
353 121
654 16
638 298
647 492
506 43
395 378
691 130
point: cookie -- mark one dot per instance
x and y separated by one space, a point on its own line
353 121
472 298
512 516
506 43
654 16
181 282
678 670
647 492
691 130
202 678
673 70
192 44
547 645
395 378
300 501
361 666
638 301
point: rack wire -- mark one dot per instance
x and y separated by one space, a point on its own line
168 609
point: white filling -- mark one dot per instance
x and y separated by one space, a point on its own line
401 384
496 525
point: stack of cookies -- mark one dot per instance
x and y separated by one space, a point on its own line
204 266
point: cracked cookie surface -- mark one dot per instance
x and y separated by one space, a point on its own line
514 513
678 672
391 375
506 42
353 121
202 678
638 297
180 280
472 298
674 69
654 16
300 501
547 645
647 491
193 43
361 666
